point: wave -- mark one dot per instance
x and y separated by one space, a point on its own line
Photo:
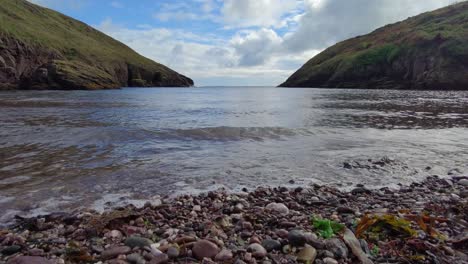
224 133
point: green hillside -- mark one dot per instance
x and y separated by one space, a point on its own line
429 51
41 48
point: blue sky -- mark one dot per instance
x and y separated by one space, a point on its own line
237 42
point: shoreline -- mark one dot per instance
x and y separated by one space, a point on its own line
426 222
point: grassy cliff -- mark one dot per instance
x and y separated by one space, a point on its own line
41 48
429 51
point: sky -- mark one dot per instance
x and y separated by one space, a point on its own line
237 42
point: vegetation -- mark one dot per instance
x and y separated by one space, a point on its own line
75 43
431 46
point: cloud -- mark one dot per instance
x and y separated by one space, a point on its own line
256 47
244 59
189 10
326 22
245 41
248 13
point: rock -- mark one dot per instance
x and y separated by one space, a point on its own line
307 254
159 259
296 238
278 208
345 210
114 235
136 258
11 250
361 190
337 247
355 246
172 252
454 172
114 252
257 250
29 260
283 233
136 241
224 255
185 239
270 245
463 182
205 249
329 261
197 208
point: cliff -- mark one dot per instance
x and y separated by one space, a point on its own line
428 51
43 49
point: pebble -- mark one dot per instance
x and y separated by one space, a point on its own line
114 252
11 250
224 255
307 254
160 258
257 250
271 244
278 208
337 247
329 261
463 182
173 252
135 241
136 258
296 238
29 260
205 249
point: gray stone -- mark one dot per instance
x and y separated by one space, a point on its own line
337 247
463 182
11 250
173 252
296 238
270 245
278 208
257 250
136 241
136 258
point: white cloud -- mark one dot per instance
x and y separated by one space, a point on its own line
326 22
245 59
256 47
256 41
248 13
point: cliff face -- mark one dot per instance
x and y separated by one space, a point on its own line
429 51
43 49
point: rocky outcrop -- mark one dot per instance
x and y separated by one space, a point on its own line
429 51
65 63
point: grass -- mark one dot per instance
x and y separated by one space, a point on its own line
442 31
74 40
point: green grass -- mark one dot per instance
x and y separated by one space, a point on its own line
74 40
443 31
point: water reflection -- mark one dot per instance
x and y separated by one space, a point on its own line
63 150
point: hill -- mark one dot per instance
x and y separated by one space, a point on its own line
44 49
428 51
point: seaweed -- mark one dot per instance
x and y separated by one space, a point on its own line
327 228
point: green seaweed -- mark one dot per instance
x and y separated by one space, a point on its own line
327 228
